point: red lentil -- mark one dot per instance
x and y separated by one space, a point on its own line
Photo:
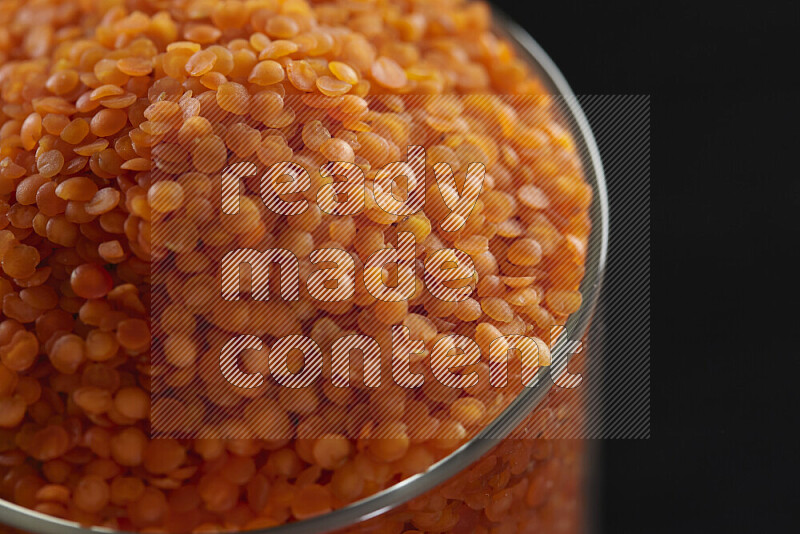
111 126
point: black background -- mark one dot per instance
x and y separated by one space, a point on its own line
722 456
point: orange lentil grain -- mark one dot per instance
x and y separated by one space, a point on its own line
105 91
20 353
62 82
343 72
301 75
337 150
128 446
91 148
12 411
165 196
132 402
67 353
75 132
281 27
133 334
563 302
525 252
76 188
50 163
200 63
117 121
329 86
135 66
90 281
310 501
20 261
267 72
164 455
108 122
31 131
388 73
233 97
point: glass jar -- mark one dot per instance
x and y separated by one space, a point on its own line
493 483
